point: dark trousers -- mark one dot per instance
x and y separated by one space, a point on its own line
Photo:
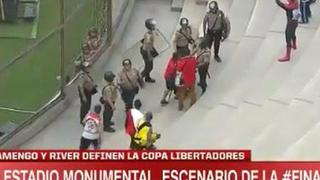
85 106
305 11
214 37
148 64
203 71
107 114
291 32
183 51
85 143
128 97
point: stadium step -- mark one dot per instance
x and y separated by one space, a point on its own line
206 103
311 91
239 16
277 74
303 71
250 119
306 148
202 2
286 129
262 61
261 87
261 18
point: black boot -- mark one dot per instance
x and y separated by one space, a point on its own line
150 80
203 90
217 58
108 129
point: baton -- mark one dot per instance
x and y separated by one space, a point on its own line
208 74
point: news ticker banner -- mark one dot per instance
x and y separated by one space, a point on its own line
147 165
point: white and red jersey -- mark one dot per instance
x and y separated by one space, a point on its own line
92 126
133 118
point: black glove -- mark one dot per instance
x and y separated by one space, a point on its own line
191 41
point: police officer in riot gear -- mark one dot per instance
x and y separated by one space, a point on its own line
183 37
216 28
147 49
203 58
109 97
86 89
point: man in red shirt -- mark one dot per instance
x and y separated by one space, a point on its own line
169 76
187 67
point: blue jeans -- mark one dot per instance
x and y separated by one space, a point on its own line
305 11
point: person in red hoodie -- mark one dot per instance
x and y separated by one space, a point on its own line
169 76
185 80
292 12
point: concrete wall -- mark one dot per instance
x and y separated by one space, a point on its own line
49 116
117 10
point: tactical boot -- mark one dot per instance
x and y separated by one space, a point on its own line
217 58
109 129
150 80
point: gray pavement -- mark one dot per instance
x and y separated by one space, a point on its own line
65 132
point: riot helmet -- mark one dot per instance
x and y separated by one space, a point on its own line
137 104
184 22
97 108
109 76
126 61
213 6
150 24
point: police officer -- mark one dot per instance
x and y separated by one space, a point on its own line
203 57
86 89
109 97
129 81
147 49
216 27
182 38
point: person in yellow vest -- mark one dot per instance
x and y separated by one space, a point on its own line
145 138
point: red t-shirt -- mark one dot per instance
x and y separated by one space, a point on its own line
187 66
170 69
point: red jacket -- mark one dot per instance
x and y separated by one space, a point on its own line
170 70
187 66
